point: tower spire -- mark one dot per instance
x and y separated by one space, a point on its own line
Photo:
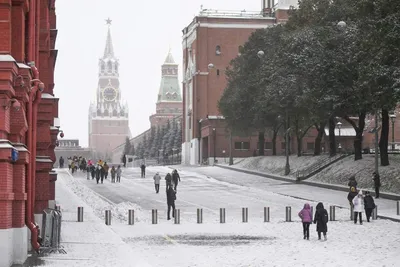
109 50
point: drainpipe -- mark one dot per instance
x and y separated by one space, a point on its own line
31 39
37 28
31 144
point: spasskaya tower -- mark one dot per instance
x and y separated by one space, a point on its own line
108 115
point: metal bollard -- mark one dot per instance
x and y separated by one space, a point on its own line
154 216
332 213
312 213
288 214
222 215
108 217
80 214
131 217
375 213
199 215
245 215
177 217
352 213
266 214
398 207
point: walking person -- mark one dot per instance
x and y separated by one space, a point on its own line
69 163
106 168
157 179
171 197
369 205
352 194
321 219
377 184
306 219
143 170
119 172
113 172
93 171
168 180
175 178
102 173
124 160
358 203
98 173
61 161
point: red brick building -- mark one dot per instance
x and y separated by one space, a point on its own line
214 38
209 43
169 100
28 111
109 115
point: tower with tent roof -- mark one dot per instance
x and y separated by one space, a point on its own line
108 114
169 98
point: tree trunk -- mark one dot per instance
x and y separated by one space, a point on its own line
318 139
299 145
261 143
359 135
384 140
274 135
332 140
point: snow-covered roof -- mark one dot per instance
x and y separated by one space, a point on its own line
230 14
46 160
48 96
23 66
346 131
7 58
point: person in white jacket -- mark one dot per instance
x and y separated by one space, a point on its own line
157 179
358 203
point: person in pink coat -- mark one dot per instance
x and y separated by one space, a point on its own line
306 219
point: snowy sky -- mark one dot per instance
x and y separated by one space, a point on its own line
142 33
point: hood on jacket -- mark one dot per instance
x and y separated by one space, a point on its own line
307 206
320 206
360 192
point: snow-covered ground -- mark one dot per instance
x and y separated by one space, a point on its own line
276 164
337 173
255 243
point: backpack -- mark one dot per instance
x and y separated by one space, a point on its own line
325 218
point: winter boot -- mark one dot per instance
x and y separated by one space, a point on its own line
325 238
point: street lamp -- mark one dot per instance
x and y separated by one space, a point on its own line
393 119
339 126
215 140
342 24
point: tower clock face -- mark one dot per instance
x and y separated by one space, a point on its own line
109 94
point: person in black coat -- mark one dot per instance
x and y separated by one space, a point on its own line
369 205
143 170
98 173
171 197
175 178
377 184
321 219
61 162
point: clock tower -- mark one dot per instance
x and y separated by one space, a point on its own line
108 115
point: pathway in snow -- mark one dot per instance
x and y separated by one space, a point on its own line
235 244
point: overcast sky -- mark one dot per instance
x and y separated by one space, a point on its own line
142 33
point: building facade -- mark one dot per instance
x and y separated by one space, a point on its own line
209 43
169 99
108 115
28 121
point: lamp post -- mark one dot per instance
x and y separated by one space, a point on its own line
215 140
261 54
223 152
393 119
230 148
339 126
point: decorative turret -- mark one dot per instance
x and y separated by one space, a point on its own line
169 87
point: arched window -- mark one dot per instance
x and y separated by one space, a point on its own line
218 50
98 112
240 49
109 66
106 112
116 67
102 67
